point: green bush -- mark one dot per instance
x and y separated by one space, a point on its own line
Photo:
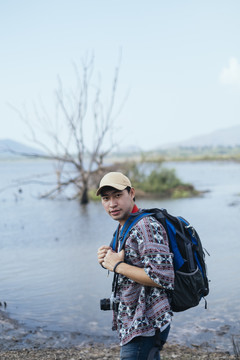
160 181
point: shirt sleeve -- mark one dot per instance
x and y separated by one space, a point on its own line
148 247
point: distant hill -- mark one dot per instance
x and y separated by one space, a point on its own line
11 148
222 137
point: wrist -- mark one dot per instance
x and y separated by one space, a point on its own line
116 265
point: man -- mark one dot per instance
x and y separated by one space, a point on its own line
143 273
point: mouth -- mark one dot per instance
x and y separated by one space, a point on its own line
114 212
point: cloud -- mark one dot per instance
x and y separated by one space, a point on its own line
231 74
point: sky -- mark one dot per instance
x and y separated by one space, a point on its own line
179 64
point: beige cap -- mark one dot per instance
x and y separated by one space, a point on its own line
114 179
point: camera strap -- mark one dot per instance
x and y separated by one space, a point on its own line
115 284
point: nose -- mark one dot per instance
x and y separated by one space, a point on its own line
113 202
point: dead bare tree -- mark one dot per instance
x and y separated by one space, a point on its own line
77 161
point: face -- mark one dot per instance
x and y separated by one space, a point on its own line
118 204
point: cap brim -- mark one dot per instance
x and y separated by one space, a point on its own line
115 186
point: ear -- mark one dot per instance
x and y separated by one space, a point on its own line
132 192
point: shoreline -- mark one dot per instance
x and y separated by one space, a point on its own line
103 352
19 342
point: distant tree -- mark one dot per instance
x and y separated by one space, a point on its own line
77 162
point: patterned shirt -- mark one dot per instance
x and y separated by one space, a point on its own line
143 309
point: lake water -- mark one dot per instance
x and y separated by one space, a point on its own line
52 283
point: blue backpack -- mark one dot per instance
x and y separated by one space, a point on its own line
191 282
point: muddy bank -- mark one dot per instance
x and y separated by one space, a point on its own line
19 342
102 352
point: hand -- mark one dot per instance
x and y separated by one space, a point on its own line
102 252
112 258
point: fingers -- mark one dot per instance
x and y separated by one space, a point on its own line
104 248
108 258
102 252
112 258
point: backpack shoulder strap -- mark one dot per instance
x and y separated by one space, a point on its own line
131 221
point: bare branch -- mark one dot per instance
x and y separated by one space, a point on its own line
68 135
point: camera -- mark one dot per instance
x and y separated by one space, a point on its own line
111 303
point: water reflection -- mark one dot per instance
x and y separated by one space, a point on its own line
51 280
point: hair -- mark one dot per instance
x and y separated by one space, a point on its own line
128 190
104 189
107 188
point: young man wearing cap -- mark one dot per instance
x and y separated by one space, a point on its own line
144 273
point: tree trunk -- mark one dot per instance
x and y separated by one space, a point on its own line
84 196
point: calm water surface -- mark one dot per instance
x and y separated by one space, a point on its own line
50 278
